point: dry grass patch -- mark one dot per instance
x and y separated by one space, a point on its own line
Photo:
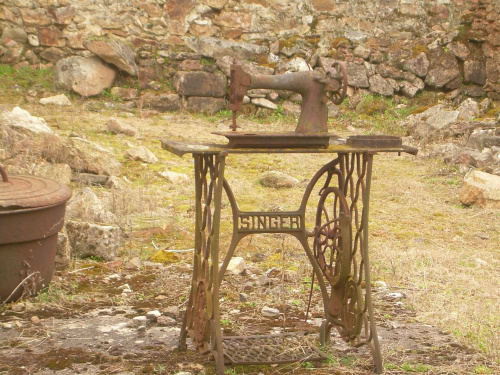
442 255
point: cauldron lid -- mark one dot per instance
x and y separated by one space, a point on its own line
17 192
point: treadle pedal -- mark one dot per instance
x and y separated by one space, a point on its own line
269 349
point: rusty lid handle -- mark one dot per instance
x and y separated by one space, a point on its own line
4 174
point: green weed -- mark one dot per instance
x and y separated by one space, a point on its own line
408 367
482 370
348 361
52 294
307 365
26 78
96 258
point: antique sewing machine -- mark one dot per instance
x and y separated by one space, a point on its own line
316 88
334 237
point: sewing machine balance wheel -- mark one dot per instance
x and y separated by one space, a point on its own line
335 90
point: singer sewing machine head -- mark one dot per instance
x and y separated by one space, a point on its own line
315 87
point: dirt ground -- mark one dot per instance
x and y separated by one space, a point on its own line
94 333
84 323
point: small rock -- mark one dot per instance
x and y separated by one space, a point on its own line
485 104
114 276
243 297
134 263
468 110
276 291
290 108
272 272
119 127
297 64
86 206
6 325
35 319
143 154
263 280
17 307
278 180
171 311
124 93
481 262
175 178
315 322
258 93
236 266
483 236
265 103
139 321
270 312
89 178
481 188
84 155
153 315
166 321
114 182
396 325
20 118
273 96
90 239
60 99
380 284
394 295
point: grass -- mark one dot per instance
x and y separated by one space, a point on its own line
379 114
442 265
26 78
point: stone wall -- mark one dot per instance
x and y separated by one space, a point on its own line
391 46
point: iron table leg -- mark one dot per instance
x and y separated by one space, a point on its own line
202 318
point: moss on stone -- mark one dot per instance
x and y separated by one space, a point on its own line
164 257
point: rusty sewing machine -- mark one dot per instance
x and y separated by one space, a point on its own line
316 87
334 238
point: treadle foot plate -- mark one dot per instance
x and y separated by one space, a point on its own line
270 349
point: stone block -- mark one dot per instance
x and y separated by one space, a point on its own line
236 266
162 102
85 76
200 84
482 189
114 52
475 72
205 105
89 239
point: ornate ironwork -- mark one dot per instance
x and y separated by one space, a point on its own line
270 349
202 319
340 250
336 246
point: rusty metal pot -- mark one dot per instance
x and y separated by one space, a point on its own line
31 214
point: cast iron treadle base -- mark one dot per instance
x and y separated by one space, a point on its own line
269 349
